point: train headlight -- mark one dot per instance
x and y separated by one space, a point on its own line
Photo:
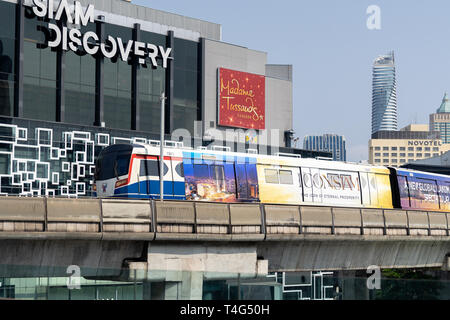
121 183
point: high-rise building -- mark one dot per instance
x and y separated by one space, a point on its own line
440 121
384 94
328 142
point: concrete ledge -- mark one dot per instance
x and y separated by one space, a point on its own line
169 212
288 216
247 237
73 210
214 237
175 236
126 236
437 220
284 237
212 214
418 220
396 219
316 216
126 211
22 209
372 218
245 215
50 236
347 217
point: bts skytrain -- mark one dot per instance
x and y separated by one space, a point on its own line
132 171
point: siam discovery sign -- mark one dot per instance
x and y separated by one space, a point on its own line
242 99
72 39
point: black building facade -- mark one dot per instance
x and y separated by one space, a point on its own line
60 107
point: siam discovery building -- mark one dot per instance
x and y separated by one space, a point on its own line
384 94
329 143
77 77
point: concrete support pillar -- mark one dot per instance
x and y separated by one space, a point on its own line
190 287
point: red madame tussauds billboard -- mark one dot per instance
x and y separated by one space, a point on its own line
242 100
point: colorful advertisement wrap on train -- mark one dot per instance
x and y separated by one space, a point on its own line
421 191
213 178
292 185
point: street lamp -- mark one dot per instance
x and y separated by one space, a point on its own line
161 150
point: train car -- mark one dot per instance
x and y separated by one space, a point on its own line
132 171
416 190
318 182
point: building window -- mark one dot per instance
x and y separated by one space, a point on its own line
385 148
402 154
377 149
402 149
394 148
79 86
435 149
186 90
410 149
377 154
419 155
393 154
7 42
427 149
39 71
402 160
385 160
435 154
419 149
394 160
152 81
427 155
385 154
377 161
411 155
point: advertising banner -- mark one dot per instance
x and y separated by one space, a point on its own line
242 99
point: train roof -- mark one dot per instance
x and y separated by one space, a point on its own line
420 173
260 158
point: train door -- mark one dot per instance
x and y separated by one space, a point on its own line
307 184
317 185
246 182
149 177
179 192
365 189
373 189
168 178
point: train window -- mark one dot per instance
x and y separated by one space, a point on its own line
122 164
150 168
179 169
286 177
271 176
201 172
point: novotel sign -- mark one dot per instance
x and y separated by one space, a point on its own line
72 39
436 143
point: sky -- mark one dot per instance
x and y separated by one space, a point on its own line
332 51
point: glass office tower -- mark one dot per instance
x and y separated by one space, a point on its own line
384 94
330 143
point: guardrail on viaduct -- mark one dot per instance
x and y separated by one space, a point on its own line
106 219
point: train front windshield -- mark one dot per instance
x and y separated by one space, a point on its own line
112 165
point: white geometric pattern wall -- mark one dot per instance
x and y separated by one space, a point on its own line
36 167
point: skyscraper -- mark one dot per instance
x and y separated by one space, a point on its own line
384 94
440 121
328 142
